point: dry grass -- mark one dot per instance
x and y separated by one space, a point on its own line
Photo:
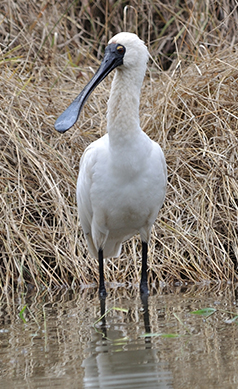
188 104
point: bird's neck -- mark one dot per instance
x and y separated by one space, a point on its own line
123 107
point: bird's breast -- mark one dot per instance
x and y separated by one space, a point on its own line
127 184
126 198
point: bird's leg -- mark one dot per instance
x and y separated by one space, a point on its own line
143 282
102 289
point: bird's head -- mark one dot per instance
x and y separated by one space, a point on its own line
135 53
124 51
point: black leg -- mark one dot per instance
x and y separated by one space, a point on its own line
102 289
143 282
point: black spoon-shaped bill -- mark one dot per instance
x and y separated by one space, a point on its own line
113 57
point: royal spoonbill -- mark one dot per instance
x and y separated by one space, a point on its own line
122 177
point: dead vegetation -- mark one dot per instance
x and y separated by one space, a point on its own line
48 52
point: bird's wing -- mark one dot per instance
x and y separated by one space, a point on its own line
85 180
84 184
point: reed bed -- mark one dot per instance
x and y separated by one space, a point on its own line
49 51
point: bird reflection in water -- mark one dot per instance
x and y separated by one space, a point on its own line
116 362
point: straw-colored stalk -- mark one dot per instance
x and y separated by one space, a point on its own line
49 51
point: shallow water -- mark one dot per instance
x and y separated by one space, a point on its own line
56 343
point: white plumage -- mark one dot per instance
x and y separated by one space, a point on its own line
122 179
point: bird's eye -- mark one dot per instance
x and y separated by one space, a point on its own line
121 49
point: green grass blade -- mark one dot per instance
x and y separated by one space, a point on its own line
21 314
204 312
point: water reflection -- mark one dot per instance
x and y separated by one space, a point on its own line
55 342
115 363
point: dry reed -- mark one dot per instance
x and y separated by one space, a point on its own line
49 50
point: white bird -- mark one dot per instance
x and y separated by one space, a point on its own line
122 178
